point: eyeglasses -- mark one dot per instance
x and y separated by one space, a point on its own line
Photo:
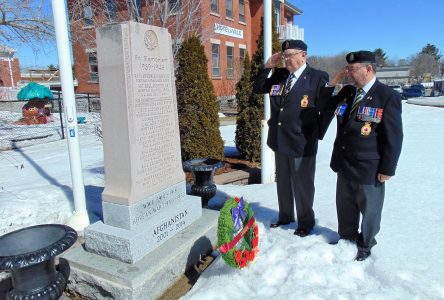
353 69
288 55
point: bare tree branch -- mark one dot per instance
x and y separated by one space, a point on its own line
180 17
424 63
26 22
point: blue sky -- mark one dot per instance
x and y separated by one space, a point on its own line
399 27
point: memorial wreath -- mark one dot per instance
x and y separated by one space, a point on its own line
237 233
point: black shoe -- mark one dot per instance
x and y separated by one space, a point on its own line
362 255
279 223
301 232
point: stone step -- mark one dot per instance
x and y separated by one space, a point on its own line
239 177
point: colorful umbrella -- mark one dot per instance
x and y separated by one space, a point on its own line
34 90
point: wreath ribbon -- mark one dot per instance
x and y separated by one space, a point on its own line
228 246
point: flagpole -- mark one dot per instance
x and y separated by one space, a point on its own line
267 156
79 219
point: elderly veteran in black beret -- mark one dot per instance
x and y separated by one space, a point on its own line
366 150
295 126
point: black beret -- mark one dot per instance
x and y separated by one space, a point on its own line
360 56
294 44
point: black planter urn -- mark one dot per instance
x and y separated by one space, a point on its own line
203 172
29 254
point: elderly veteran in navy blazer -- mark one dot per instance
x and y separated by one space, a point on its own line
295 126
366 150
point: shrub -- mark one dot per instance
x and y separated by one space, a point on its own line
250 114
251 106
197 106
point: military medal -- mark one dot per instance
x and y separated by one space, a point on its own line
304 101
341 109
276 90
366 129
369 114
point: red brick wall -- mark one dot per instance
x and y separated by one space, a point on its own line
5 75
81 66
257 12
223 86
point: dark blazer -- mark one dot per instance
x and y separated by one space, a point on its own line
365 147
295 121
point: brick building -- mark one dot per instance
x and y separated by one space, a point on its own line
9 67
228 29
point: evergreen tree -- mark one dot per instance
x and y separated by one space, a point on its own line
251 106
431 50
249 116
197 106
380 56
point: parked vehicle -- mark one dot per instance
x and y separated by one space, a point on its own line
396 87
418 86
413 92
438 88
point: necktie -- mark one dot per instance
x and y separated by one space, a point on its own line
288 85
358 99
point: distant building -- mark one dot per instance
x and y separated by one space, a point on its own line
47 77
9 67
394 75
229 29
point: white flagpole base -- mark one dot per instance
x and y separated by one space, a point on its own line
78 221
267 156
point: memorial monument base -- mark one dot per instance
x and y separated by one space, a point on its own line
98 277
131 245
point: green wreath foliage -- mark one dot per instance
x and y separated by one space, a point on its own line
245 250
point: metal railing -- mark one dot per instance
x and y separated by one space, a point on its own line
15 132
290 32
8 93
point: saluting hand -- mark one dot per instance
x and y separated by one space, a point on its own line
338 77
273 61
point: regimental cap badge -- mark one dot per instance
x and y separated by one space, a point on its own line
351 56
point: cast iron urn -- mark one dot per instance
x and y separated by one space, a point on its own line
29 254
203 172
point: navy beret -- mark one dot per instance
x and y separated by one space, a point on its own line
294 44
360 56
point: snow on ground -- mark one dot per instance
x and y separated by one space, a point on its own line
35 188
18 136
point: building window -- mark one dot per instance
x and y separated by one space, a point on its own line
242 10
277 13
229 9
215 60
230 63
242 53
88 16
289 19
93 66
111 8
215 6
174 6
